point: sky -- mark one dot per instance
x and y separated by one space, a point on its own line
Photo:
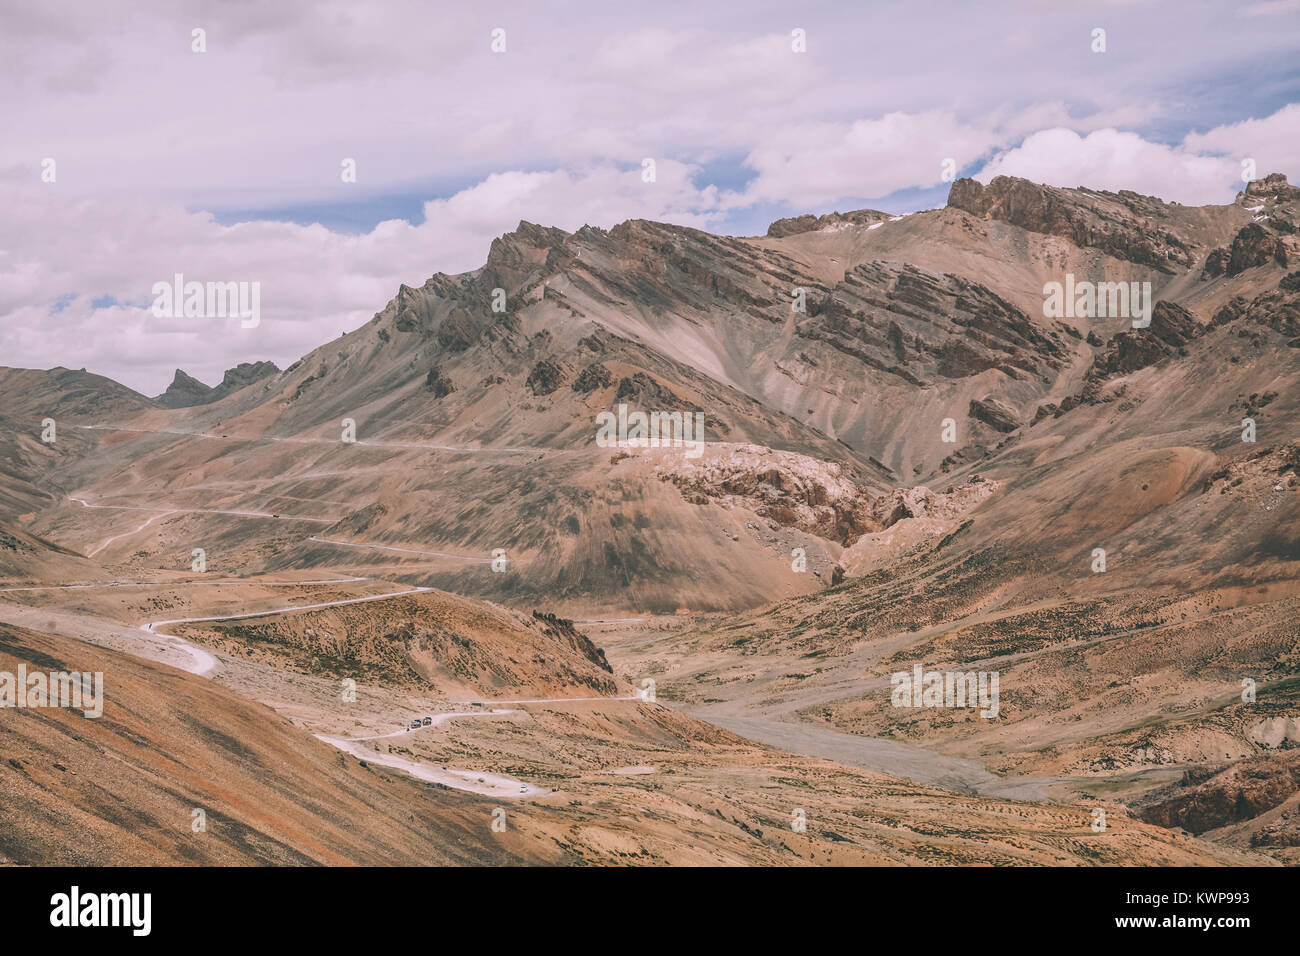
133 148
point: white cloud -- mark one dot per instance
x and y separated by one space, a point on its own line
818 163
1273 141
1114 160
1204 169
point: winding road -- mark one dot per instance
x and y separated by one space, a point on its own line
203 663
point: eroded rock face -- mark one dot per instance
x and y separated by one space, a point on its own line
913 520
1272 187
1252 246
647 394
457 332
919 325
1240 792
817 497
1279 310
438 383
530 249
1172 327
997 415
792 490
1124 224
185 391
1284 833
545 378
452 310
1270 238
810 223
593 377
563 632
921 502
245 374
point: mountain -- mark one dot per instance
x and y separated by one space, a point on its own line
906 322
911 457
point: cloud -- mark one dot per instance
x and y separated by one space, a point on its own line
1205 168
1114 160
1273 142
813 164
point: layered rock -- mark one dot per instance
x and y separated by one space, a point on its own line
795 225
918 325
1241 792
997 415
1125 225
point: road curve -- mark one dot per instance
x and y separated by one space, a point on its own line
203 663
206 663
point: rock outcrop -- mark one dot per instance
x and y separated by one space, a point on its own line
1172 327
1241 792
185 391
792 490
1125 225
810 223
1252 246
997 415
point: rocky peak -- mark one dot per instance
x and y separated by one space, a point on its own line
1125 225
524 249
1272 188
795 225
185 391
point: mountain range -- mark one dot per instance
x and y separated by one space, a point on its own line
907 461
